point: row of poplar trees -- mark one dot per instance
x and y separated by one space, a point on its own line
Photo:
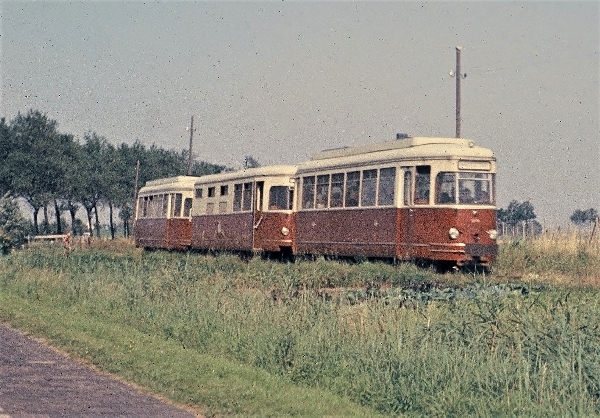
53 170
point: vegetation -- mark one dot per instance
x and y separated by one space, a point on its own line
52 170
320 338
13 226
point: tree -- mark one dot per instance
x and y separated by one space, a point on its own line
13 225
250 162
582 217
6 147
517 214
92 175
35 161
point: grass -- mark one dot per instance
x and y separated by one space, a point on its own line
323 338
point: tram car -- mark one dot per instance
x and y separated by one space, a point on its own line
412 198
163 213
247 211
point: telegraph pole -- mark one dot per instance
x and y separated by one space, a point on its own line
189 173
458 77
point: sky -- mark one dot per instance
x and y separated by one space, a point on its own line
282 80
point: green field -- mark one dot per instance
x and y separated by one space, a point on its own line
324 338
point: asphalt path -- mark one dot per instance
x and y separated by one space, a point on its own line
38 382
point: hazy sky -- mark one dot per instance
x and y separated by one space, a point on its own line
282 80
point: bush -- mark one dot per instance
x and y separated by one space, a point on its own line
13 225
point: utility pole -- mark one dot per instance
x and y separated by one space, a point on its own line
189 173
458 76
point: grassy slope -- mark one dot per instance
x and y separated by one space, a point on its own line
213 386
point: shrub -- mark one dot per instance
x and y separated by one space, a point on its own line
13 225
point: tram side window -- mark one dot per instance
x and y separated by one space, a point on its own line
445 188
352 188
199 193
176 200
210 208
165 205
247 197
237 197
142 207
407 187
422 184
187 207
337 190
387 179
279 198
224 190
211 192
308 192
369 187
322 191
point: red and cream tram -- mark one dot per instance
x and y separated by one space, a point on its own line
245 211
413 198
163 214
409 199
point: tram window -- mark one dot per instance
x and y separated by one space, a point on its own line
199 193
210 208
322 191
369 187
211 192
237 197
422 184
150 207
352 188
337 190
224 190
176 200
187 207
278 198
308 192
142 207
445 188
475 188
387 179
407 187
247 197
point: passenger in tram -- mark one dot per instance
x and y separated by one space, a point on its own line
465 196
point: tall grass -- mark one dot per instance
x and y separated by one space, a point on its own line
567 258
535 352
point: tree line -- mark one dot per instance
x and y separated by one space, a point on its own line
50 169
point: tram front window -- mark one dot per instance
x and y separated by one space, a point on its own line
445 188
473 188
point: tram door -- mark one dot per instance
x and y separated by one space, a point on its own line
407 218
257 217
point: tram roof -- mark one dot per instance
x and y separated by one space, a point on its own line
410 148
250 174
169 184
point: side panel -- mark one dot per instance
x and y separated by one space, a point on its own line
359 232
231 232
151 233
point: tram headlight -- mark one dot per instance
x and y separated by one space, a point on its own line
493 233
285 231
453 233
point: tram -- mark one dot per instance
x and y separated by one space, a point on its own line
163 213
413 198
245 211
